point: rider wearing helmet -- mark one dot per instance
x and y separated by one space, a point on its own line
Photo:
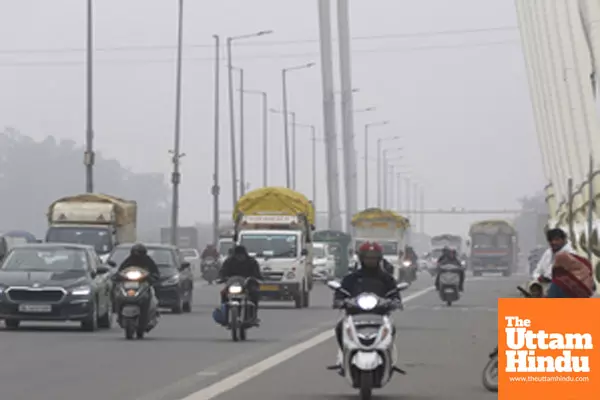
139 257
369 278
449 256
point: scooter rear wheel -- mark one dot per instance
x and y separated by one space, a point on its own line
490 375
129 330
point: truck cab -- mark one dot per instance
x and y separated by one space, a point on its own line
282 246
91 227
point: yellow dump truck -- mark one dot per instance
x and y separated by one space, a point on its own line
275 225
494 247
99 220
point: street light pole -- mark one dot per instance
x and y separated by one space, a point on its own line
379 175
242 138
314 160
290 181
176 176
288 165
265 128
293 150
232 109
216 189
367 126
89 151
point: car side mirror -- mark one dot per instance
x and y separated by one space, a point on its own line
185 265
111 263
102 269
304 252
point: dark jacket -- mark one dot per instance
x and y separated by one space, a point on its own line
377 282
247 268
448 259
142 261
388 267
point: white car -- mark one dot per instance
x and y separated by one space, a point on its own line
193 257
323 262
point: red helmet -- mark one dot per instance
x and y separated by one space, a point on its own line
370 249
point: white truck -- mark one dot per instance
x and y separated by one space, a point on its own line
275 226
384 227
98 220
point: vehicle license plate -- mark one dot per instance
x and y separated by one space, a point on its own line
269 288
35 308
131 285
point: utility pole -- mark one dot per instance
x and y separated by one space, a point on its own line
343 9
89 156
242 138
422 223
176 176
216 188
329 131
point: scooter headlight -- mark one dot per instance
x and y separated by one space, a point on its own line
133 275
406 263
367 302
235 289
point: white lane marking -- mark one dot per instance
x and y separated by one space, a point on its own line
207 373
255 370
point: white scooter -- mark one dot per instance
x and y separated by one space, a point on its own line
369 352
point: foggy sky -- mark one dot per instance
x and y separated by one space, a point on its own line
460 101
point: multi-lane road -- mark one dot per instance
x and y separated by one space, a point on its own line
188 357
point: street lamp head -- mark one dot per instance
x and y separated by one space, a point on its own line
263 33
310 65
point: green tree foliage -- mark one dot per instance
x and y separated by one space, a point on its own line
34 174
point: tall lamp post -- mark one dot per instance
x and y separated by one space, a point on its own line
230 40
88 158
265 146
386 173
314 160
242 134
379 164
367 127
290 182
176 176
290 170
216 188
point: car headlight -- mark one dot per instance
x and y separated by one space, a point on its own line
172 280
235 289
81 291
406 263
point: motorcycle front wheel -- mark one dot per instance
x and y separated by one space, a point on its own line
129 329
490 375
366 385
234 323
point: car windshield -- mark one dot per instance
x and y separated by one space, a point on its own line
162 257
100 238
271 245
189 253
224 247
319 252
38 259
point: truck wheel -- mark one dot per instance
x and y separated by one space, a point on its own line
299 298
306 298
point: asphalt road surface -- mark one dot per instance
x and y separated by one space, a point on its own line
187 356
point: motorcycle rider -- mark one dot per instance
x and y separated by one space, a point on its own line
240 263
138 257
449 256
210 251
371 278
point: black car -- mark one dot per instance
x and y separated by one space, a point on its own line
55 282
176 285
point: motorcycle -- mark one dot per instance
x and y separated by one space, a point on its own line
490 372
408 271
210 269
240 312
369 352
134 294
449 283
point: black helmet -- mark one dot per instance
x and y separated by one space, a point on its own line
240 251
139 249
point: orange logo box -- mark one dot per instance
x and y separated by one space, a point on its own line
549 349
